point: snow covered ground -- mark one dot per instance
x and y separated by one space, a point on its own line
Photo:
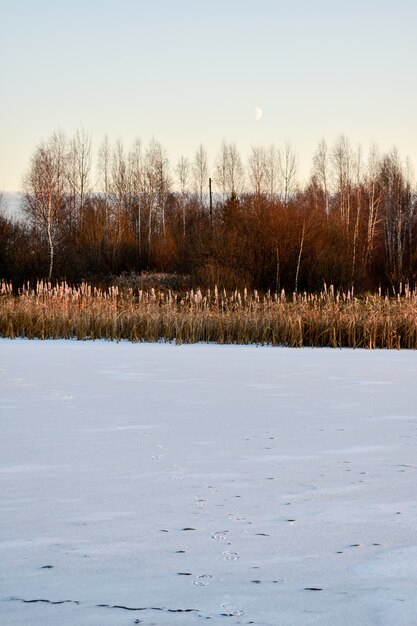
155 484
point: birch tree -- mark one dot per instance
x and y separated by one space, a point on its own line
397 210
44 194
156 186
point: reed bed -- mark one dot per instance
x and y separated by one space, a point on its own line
327 319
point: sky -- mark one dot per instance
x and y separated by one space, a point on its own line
188 72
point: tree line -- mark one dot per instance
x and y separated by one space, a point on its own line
353 224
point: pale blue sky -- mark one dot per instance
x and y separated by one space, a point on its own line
191 71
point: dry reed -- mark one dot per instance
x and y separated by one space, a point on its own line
327 319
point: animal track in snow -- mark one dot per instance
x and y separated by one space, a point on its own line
178 472
236 518
203 580
231 556
219 535
160 455
215 489
231 610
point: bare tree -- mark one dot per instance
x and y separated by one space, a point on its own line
397 212
150 190
103 165
200 172
164 182
272 161
257 169
342 175
412 211
374 198
156 186
229 175
78 171
44 197
390 178
182 172
121 188
221 170
136 181
288 172
359 199
120 183
321 171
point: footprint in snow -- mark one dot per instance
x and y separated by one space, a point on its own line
219 535
231 556
231 610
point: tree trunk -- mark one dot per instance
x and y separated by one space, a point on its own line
299 258
51 251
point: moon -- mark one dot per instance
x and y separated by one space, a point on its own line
258 113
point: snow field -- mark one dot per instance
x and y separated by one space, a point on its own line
155 484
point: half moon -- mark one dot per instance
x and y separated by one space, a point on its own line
258 113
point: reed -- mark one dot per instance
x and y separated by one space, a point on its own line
325 319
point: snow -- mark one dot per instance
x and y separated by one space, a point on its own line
161 484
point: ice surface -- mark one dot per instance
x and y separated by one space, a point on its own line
157 484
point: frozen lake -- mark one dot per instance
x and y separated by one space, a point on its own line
155 484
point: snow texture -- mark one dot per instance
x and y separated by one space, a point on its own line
157 484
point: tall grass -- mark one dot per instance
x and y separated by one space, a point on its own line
326 319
